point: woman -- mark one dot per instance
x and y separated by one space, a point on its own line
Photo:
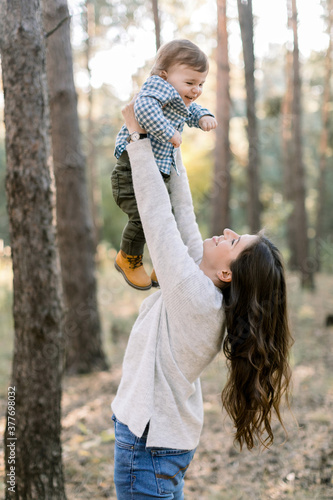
232 282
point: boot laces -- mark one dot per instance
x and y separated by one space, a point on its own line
135 261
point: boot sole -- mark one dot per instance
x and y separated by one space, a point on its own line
129 282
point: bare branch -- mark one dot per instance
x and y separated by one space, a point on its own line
58 26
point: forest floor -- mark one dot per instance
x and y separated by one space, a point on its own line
298 468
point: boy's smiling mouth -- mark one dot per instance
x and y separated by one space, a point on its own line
190 98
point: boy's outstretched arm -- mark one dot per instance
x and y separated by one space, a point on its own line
207 123
200 117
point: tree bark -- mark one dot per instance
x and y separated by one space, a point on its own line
35 385
324 138
75 231
221 181
246 27
304 263
95 195
157 24
287 159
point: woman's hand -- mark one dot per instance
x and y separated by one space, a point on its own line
129 117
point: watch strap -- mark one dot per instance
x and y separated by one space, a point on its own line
141 136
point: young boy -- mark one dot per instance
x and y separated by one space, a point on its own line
164 104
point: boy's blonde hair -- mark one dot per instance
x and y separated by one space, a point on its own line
179 52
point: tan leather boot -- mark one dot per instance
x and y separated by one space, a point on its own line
131 267
154 280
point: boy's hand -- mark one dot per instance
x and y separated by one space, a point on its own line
176 139
207 123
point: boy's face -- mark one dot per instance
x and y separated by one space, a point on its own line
187 81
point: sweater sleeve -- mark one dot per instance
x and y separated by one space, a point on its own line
169 253
181 200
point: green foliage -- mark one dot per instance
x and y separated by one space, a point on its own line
115 15
197 150
119 22
197 154
102 139
272 106
114 219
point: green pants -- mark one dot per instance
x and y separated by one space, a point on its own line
133 238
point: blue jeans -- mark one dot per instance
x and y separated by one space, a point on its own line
141 472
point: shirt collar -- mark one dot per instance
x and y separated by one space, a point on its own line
181 107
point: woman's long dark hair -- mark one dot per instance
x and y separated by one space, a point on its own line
257 342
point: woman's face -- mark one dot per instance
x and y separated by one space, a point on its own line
220 251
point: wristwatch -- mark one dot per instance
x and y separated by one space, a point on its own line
135 136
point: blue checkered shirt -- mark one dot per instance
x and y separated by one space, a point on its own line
161 111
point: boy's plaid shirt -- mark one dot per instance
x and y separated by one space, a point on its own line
161 111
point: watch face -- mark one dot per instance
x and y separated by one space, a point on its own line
135 136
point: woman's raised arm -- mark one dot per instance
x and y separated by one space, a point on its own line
180 196
182 205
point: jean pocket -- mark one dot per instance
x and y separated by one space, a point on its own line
170 467
124 438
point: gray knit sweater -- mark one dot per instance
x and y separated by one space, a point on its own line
178 330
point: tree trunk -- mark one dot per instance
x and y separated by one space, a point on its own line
32 440
75 232
304 263
95 195
324 138
246 27
287 159
221 181
157 24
